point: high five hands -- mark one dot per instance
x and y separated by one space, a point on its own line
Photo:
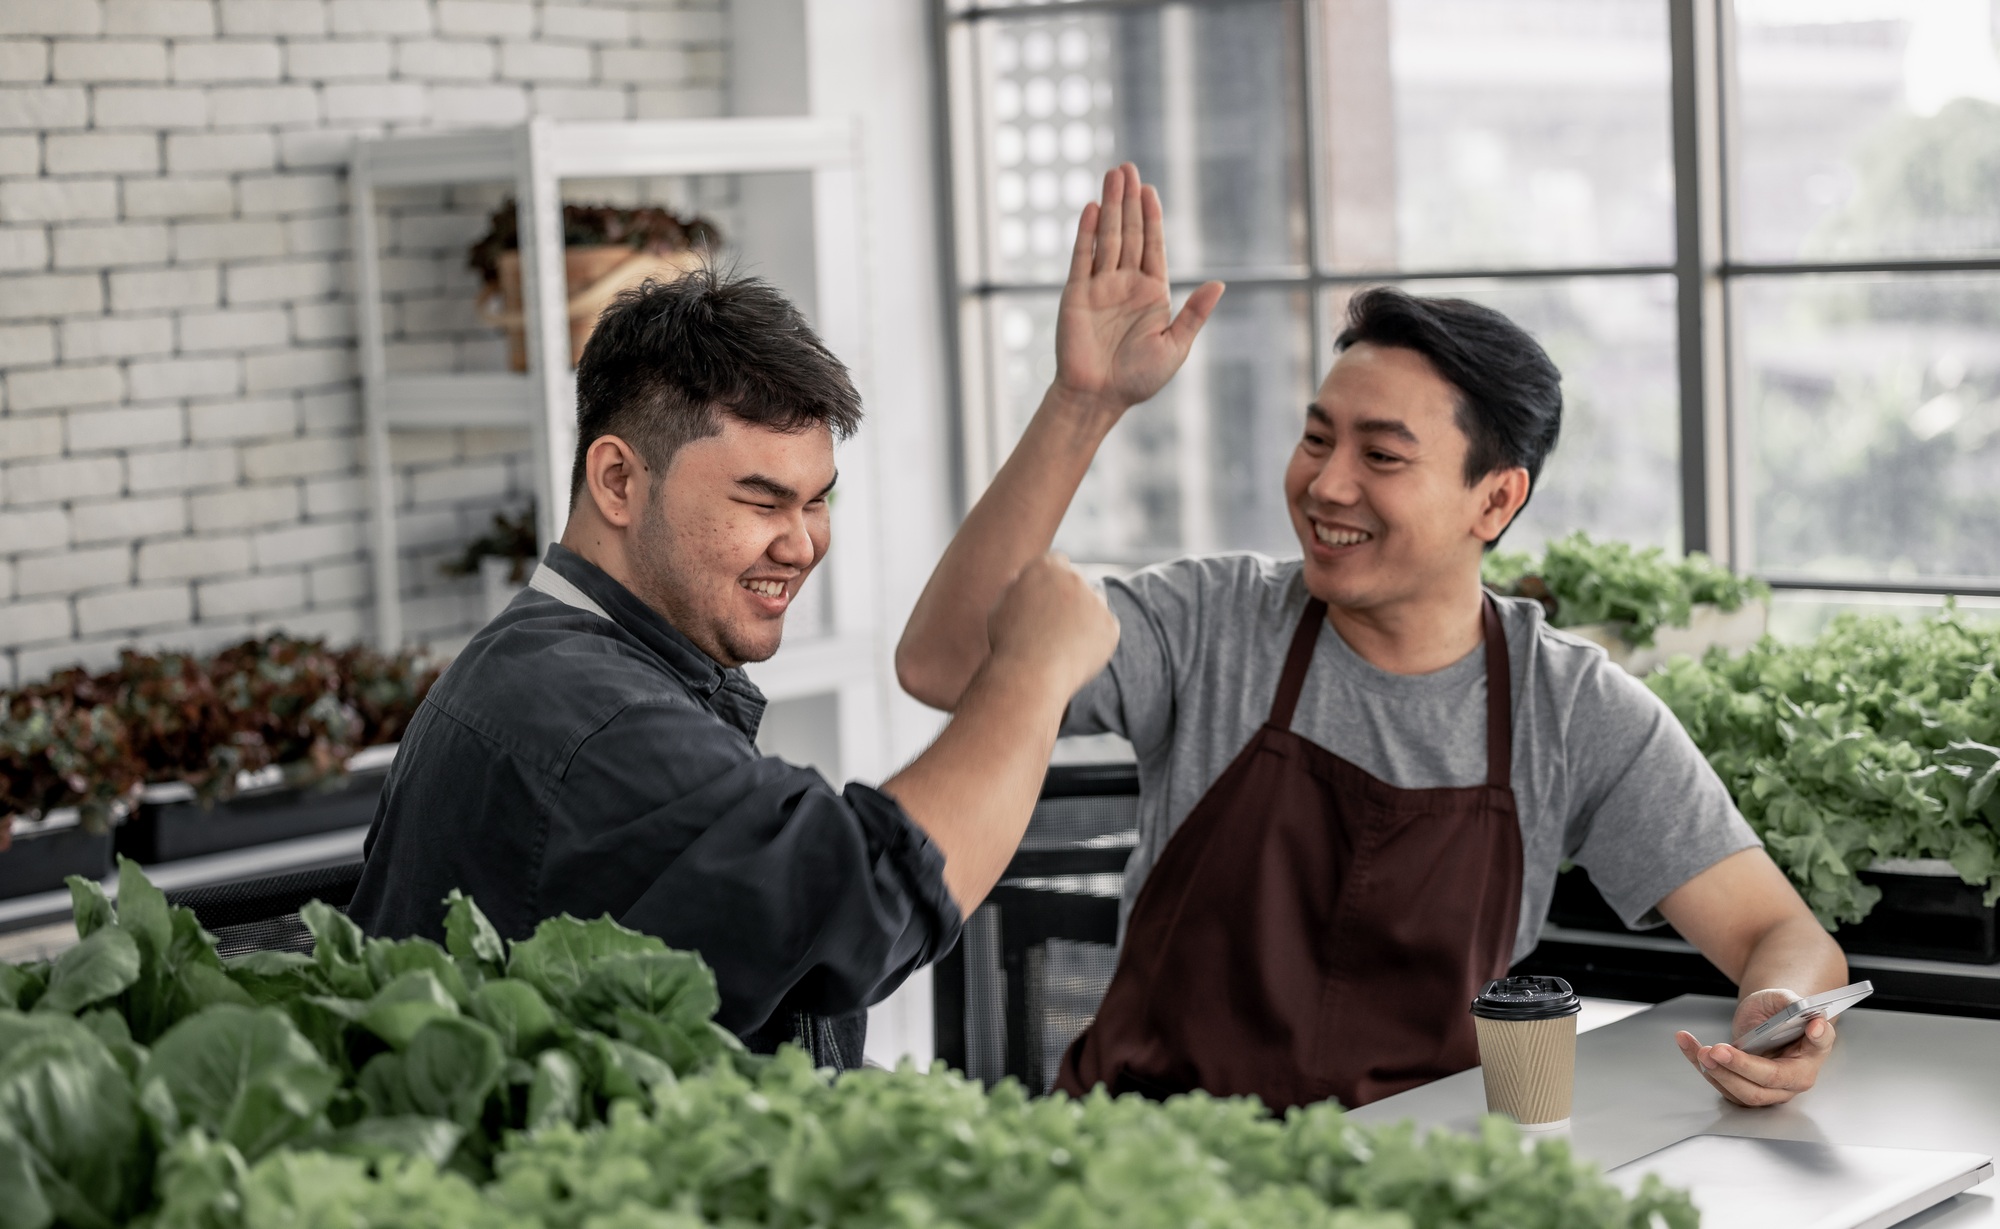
1117 341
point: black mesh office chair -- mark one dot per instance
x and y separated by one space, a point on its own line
1036 957
263 913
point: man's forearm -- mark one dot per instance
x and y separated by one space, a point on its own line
1796 955
973 790
944 643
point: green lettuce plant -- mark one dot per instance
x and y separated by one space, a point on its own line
576 1080
1638 591
1879 739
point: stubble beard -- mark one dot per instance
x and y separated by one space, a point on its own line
670 582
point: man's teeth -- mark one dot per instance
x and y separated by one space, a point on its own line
1340 537
765 588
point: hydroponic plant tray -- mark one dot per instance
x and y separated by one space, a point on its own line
1923 916
1928 916
39 861
170 823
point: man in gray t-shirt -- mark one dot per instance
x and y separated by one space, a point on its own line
1603 774
1345 826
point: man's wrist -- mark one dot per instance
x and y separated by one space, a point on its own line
1026 676
1093 412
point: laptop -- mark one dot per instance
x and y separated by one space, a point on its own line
1743 1183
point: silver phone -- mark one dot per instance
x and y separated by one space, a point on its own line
1789 1024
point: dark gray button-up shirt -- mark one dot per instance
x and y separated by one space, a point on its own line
581 756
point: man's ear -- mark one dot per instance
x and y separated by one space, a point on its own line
615 478
1502 493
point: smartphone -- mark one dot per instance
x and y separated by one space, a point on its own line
1789 1024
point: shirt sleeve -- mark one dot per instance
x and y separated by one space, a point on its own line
796 894
1158 610
1651 812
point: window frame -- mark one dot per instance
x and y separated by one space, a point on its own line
1713 483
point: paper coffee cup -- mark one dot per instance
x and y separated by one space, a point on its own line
1527 1049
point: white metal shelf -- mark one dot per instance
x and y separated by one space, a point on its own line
534 159
464 399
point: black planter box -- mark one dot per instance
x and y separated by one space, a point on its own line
1922 917
41 861
1927 917
165 832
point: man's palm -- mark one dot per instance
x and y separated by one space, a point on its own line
1117 342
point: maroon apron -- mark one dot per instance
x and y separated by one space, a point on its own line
1311 931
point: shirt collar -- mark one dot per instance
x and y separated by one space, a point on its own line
729 691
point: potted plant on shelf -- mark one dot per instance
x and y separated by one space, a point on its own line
271 738
501 558
606 249
1641 605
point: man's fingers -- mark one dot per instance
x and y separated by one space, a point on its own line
1195 313
1086 243
1154 261
1110 221
1749 1066
1132 243
1744 1091
1744 1079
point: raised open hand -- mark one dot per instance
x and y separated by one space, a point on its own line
1117 342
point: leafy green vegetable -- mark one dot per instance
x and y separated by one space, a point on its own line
469 936
244 1075
577 1081
99 967
405 1006
1638 591
1880 739
72 1148
517 1014
560 955
91 741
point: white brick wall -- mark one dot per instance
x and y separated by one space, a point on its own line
180 461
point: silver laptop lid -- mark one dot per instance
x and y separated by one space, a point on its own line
1744 1183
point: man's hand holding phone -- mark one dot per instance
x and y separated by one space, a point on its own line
1761 1079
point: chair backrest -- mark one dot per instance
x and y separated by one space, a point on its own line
262 913
1036 956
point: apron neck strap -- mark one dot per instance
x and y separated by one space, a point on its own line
1298 660
1499 684
1499 698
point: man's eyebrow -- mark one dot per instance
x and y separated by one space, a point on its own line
778 490
1386 426
769 486
1367 426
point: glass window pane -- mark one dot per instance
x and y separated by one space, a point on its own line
1867 128
1869 407
1204 98
1469 134
1201 466
1799 615
1615 471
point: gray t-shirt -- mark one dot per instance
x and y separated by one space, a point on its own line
1603 774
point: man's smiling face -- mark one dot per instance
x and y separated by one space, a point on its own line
1376 487
729 533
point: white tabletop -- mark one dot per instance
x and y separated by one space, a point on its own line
1895 1079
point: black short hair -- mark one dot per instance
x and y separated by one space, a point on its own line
1509 392
668 357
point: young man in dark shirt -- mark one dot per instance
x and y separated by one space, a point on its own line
592 750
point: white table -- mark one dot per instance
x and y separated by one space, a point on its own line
1895 1079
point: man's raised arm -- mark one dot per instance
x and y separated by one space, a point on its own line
1117 344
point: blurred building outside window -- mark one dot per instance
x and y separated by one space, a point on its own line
1522 155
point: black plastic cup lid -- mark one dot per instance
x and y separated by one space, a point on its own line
1526 998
